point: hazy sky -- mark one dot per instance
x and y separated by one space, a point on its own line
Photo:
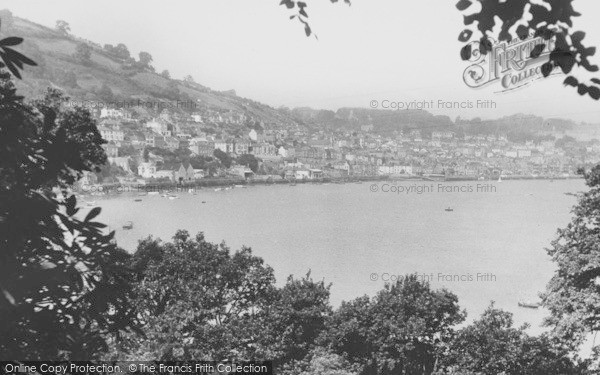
373 50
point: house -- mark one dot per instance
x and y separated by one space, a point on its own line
147 170
242 147
196 117
203 148
184 173
225 146
199 173
111 134
253 135
242 171
160 127
172 143
112 113
112 151
315 174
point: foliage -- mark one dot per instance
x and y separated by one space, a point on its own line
301 15
549 19
145 60
248 160
165 74
63 281
199 300
573 293
403 329
120 51
83 53
105 93
223 157
63 27
11 59
491 345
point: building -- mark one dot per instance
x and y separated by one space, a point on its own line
111 134
147 170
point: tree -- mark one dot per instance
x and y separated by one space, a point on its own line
63 27
199 300
64 285
223 157
83 53
121 51
145 60
165 73
403 329
573 295
491 345
248 160
105 93
296 317
189 79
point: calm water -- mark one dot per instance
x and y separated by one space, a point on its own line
349 235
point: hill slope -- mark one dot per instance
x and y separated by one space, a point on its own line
105 77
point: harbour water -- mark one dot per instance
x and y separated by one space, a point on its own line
489 246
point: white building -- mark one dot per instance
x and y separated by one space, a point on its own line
147 170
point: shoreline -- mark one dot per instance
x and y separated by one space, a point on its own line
116 189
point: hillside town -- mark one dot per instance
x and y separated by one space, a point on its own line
183 148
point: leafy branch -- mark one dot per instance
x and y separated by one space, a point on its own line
301 14
549 19
12 59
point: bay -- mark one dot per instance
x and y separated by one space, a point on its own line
490 247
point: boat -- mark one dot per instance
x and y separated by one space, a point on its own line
203 201
90 204
529 305
218 189
153 193
128 225
137 200
173 197
449 209
500 178
240 186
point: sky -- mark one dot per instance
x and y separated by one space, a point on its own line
388 51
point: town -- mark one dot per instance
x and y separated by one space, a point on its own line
218 145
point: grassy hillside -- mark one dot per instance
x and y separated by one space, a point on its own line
84 80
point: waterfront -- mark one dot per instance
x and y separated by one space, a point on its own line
346 233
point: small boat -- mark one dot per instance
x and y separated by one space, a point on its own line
90 204
153 193
529 305
240 186
128 225
203 201
173 197
218 189
500 178
137 200
449 209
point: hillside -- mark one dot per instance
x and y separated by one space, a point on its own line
106 77
110 74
